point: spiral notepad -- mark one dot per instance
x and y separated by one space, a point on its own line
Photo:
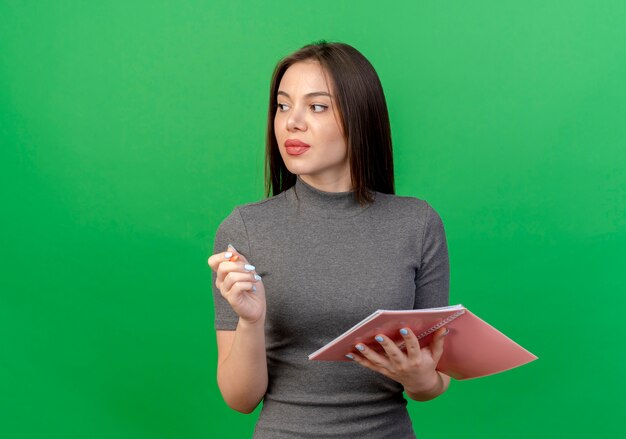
472 348
434 328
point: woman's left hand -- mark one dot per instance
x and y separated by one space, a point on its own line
415 370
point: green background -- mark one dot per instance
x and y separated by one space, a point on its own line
130 129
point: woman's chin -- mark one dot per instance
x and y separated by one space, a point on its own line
297 169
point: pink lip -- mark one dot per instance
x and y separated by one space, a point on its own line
294 142
296 147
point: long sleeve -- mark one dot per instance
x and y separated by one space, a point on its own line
432 279
232 231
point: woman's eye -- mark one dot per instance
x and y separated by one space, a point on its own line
317 108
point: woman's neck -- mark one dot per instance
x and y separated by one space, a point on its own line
342 183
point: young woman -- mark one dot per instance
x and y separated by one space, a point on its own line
332 245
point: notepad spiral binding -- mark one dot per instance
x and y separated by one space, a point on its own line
440 324
435 327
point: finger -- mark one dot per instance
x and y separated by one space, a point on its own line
215 260
366 363
395 355
413 349
235 255
373 356
436 346
226 267
237 277
237 289
231 254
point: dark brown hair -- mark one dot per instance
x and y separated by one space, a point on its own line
364 119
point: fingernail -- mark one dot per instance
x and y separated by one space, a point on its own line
379 339
446 333
257 277
360 347
249 267
228 255
350 356
253 287
403 331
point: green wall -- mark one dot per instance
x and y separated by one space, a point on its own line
130 129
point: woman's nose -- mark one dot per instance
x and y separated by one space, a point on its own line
295 121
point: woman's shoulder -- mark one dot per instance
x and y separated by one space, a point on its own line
409 210
405 205
268 205
256 209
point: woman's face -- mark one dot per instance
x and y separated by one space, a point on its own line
307 114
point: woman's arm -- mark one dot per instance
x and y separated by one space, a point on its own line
242 365
443 381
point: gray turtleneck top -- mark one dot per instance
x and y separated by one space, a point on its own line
327 263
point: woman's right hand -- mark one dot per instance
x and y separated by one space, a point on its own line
235 281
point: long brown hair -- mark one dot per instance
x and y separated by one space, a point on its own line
364 118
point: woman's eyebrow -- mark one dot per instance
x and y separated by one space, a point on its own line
308 95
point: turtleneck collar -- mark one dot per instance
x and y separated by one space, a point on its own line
326 204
